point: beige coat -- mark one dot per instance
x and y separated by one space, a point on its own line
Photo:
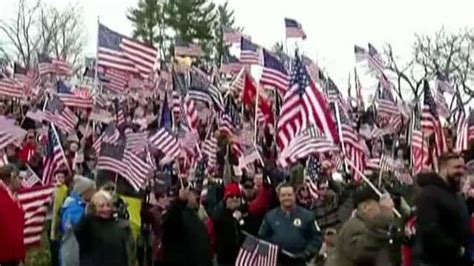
362 243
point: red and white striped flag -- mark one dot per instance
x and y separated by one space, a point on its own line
303 105
35 202
165 142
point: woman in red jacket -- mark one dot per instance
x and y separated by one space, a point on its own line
12 220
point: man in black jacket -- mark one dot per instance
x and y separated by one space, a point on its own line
442 221
185 240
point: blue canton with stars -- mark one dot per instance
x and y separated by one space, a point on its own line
299 76
314 168
429 100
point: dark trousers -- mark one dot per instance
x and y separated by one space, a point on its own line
9 263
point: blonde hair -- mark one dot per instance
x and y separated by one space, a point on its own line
98 197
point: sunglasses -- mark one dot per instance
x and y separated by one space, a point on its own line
234 196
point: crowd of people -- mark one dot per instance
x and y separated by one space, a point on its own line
312 212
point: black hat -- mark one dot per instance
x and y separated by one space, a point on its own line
364 194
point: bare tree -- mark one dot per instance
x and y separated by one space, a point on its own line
20 31
448 54
44 29
62 34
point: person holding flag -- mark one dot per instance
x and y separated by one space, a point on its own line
292 228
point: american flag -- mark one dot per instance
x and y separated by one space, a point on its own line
165 142
35 201
199 95
313 172
231 36
230 119
237 85
294 29
53 158
191 116
470 128
122 53
209 148
442 105
420 148
187 49
386 106
443 84
274 72
353 146
334 95
136 141
248 252
62 67
117 80
30 178
375 59
310 141
358 87
45 65
230 64
29 79
60 115
73 99
462 127
249 155
116 158
360 53
303 105
216 97
10 88
249 52
110 135
176 105
430 122
267 254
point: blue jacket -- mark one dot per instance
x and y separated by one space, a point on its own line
71 212
295 231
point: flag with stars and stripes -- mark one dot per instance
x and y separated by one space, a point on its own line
53 158
294 29
249 52
303 105
313 172
353 145
118 52
420 148
248 252
274 72
118 159
60 115
462 127
360 53
430 122
375 59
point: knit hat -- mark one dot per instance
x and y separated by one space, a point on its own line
364 194
82 184
232 189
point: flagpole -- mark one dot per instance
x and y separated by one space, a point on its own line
60 146
96 73
371 185
338 121
255 120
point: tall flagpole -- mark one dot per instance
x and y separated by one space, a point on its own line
338 120
96 74
256 111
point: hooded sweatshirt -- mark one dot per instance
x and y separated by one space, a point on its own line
442 223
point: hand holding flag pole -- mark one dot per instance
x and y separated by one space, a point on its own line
372 186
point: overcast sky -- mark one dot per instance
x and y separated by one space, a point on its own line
332 26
